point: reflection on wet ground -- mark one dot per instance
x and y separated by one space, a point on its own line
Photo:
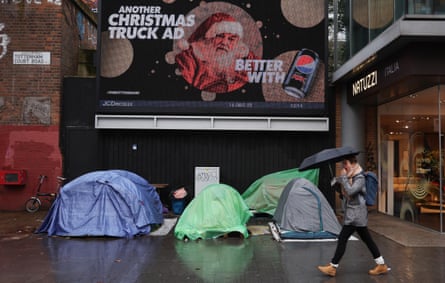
38 258
99 260
207 258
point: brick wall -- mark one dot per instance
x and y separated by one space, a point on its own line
371 138
30 93
338 124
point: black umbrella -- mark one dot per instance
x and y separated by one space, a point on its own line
327 156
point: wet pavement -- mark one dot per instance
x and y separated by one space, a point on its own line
28 257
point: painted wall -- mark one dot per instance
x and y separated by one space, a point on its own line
34 149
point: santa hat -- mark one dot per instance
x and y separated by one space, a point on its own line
215 24
228 25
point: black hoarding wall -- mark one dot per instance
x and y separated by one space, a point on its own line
78 102
80 154
78 137
171 156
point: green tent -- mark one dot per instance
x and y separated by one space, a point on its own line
263 194
217 210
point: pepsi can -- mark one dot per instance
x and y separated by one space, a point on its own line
301 75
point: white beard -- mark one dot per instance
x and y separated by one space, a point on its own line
223 61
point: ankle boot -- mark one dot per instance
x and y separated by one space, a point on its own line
328 270
379 269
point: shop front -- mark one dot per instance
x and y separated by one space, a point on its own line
406 91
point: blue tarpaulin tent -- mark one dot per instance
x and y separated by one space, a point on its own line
114 203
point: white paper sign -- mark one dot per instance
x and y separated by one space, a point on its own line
205 176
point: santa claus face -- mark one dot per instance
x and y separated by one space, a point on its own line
225 42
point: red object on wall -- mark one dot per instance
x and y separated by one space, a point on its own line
12 177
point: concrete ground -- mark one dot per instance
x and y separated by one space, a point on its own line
413 253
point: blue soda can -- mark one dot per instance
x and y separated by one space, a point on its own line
301 75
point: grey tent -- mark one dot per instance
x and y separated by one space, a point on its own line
303 212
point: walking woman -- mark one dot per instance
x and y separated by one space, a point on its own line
352 182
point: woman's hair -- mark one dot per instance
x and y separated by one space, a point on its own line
351 158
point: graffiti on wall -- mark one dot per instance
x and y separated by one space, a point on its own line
4 41
29 2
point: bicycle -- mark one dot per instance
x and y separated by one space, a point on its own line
34 203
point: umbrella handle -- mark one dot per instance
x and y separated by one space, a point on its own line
330 170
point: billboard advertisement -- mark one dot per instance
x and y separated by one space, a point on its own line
264 57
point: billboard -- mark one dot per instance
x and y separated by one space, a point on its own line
264 57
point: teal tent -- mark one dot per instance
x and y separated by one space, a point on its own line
263 194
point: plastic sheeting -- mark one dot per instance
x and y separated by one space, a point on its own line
263 194
217 210
114 203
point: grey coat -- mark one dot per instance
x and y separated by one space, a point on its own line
356 212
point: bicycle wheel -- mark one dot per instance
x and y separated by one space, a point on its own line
33 204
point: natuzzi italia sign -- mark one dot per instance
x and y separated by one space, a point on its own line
399 75
364 83
374 79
